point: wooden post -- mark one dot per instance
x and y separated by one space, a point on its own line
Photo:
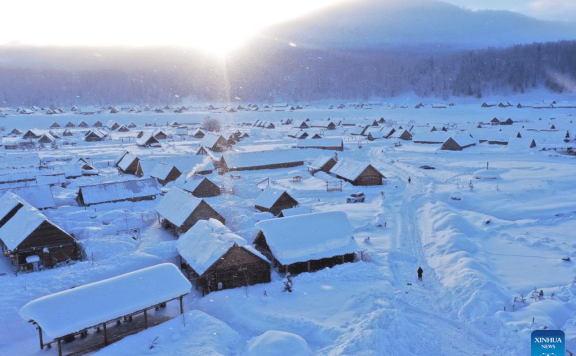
181 305
145 319
41 341
105 335
362 255
342 258
59 347
308 265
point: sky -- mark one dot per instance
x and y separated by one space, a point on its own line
216 26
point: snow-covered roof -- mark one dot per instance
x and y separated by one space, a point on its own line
262 158
57 178
116 191
8 202
298 210
21 225
205 243
210 139
161 170
349 168
320 161
39 196
319 142
126 161
177 205
142 141
102 301
268 197
430 136
190 183
464 139
309 236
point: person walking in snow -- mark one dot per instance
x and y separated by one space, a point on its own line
420 271
409 180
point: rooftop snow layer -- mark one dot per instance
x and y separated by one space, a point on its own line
20 226
177 205
349 168
75 309
262 158
116 191
268 197
161 170
205 243
309 237
319 142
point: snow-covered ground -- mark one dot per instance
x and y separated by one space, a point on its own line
484 237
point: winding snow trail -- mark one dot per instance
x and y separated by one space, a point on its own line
426 305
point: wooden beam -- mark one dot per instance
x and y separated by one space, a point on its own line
41 341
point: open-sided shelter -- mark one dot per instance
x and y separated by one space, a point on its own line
100 306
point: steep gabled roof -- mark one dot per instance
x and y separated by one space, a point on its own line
351 169
309 236
177 206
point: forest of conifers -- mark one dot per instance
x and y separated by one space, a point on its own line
162 76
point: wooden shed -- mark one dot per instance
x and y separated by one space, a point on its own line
322 163
98 124
95 135
458 143
70 125
29 239
181 210
130 164
274 201
307 242
357 172
165 173
198 133
160 135
55 126
199 186
33 133
148 140
83 124
216 259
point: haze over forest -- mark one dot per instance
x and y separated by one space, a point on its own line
354 51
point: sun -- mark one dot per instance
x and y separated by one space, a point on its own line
216 27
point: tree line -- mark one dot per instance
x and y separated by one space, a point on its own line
297 74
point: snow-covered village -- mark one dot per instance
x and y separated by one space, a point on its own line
274 178
251 237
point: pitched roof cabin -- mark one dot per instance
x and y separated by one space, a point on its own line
160 135
297 133
123 129
216 143
357 172
402 135
198 133
199 186
322 143
83 124
132 296
165 173
55 126
301 124
130 164
274 200
181 210
98 124
112 125
95 135
322 163
216 258
458 143
46 138
248 161
29 239
130 190
307 242
148 140
15 131
33 133
70 125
